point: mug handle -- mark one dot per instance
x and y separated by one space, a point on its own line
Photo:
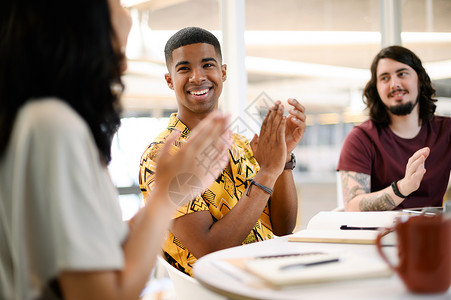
380 235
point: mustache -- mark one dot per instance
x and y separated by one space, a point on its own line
397 91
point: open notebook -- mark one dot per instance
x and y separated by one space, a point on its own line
310 267
347 227
284 270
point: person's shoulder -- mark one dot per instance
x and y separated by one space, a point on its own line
441 120
53 115
363 133
365 128
367 125
441 124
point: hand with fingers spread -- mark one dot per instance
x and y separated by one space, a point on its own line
187 173
295 125
415 171
269 147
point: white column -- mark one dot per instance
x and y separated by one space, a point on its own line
234 95
429 15
390 13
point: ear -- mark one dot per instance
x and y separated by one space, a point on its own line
168 79
224 72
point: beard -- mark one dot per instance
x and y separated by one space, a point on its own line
403 109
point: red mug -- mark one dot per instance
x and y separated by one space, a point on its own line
424 252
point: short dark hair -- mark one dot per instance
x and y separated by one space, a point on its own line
188 36
63 49
376 109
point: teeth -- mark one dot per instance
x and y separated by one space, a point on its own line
201 92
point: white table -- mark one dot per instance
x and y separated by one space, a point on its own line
240 285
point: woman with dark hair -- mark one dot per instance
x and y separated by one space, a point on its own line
384 160
60 225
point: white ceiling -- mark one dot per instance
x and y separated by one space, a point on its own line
316 50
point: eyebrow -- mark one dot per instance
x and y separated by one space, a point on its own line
397 71
185 62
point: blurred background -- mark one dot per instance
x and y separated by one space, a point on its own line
317 51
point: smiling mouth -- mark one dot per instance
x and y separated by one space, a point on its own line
398 93
199 92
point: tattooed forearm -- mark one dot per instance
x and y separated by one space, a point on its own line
359 185
354 184
377 202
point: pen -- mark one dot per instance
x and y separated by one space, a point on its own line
346 227
303 265
287 255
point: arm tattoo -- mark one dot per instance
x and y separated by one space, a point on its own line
375 202
355 184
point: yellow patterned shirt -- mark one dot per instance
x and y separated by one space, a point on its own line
219 198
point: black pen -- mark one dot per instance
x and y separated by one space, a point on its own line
302 265
287 255
346 227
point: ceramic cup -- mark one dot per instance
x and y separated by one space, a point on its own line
424 252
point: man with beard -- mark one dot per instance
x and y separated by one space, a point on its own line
384 160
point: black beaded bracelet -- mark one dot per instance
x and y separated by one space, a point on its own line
264 188
394 186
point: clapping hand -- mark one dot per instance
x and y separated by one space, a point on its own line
414 172
269 147
295 126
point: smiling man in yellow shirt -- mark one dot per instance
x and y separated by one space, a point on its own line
255 196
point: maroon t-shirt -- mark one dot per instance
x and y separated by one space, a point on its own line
383 155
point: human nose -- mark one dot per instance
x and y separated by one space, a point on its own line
395 84
198 75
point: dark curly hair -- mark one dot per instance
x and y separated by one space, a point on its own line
376 109
62 49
